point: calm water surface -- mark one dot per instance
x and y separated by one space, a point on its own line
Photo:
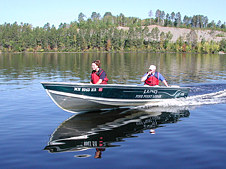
185 133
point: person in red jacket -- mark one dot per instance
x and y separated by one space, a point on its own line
98 75
152 77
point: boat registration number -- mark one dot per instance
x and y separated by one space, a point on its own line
78 89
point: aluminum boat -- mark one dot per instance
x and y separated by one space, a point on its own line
80 97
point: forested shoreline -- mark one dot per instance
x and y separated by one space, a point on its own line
114 33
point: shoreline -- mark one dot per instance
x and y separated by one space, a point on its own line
220 52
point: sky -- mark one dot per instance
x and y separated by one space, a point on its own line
40 12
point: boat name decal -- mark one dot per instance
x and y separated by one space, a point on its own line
150 91
148 96
78 89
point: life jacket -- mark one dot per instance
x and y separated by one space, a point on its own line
152 80
95 77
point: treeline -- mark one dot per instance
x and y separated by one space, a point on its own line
176 20
110 33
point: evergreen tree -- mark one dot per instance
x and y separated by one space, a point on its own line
178 20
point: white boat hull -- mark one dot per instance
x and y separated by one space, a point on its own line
77 103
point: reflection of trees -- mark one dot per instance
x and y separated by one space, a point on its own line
120 67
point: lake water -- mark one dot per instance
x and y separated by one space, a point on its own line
185 133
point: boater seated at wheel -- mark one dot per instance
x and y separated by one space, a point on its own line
152 77
98 75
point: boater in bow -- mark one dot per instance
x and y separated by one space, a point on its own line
152 77
98 75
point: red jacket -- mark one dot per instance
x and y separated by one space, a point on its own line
152 80
95 77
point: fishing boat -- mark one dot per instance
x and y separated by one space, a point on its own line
80 97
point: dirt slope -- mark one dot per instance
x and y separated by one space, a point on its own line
208 35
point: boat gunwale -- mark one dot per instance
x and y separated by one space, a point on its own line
93 98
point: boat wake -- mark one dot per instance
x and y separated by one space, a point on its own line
195 100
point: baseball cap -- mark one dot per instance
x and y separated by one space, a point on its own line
152 67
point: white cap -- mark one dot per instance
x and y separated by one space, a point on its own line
152 67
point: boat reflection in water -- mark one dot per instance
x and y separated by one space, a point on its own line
100 129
